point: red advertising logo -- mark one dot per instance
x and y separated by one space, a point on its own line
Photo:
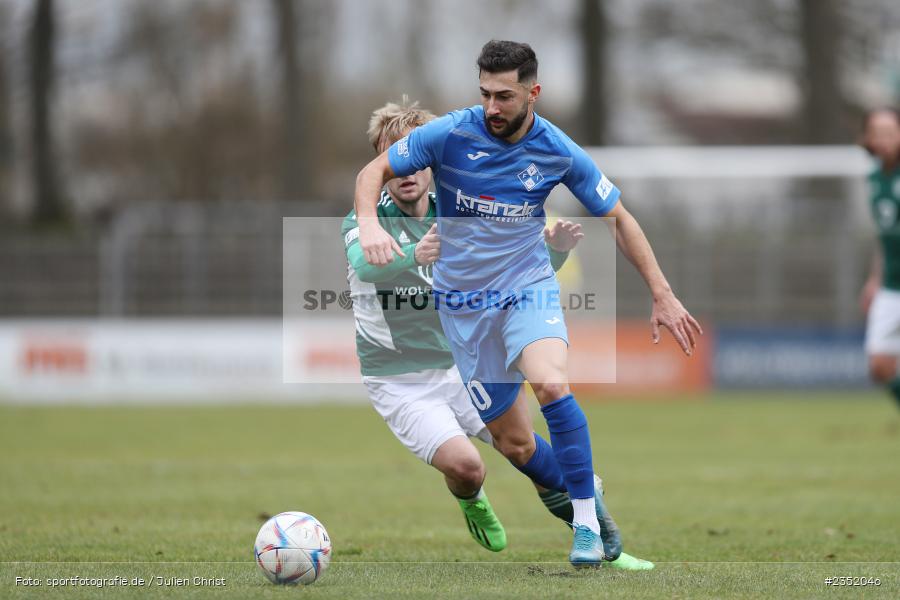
66 357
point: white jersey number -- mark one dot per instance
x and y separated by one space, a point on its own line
480 398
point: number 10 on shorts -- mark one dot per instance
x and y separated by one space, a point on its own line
480 398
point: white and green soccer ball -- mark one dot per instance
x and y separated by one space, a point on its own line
292 547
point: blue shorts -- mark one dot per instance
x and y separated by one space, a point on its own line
487 343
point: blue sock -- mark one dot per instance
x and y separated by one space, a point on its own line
571 444
542 467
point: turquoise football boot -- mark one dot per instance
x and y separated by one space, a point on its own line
587 548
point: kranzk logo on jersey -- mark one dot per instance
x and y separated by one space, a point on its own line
530 177
489 206
403 147
477 155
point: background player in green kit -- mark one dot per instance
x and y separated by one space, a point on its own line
405 360
881 294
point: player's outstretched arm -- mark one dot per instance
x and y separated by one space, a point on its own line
377 244
668 311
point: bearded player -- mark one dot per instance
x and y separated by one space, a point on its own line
406 362
494 166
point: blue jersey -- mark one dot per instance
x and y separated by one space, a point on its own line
490 199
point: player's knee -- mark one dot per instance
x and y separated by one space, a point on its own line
518 449
468 471
882 369
548 392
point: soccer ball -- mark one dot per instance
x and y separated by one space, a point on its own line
292 547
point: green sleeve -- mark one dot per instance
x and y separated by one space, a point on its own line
557 259
372 274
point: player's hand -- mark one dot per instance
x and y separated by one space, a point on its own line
668 312
868 294
377 244
563 236
428 250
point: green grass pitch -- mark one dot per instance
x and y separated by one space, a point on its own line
740 496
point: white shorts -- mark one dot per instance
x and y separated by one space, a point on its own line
425 409
883 326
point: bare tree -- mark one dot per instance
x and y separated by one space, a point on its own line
815 44
295 163
593 42
823 103
418 72
48 206
6 136
186 122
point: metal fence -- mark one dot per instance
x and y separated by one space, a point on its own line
766 238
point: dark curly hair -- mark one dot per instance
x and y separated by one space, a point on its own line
500 56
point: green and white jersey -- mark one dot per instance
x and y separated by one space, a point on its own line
885 195
397 328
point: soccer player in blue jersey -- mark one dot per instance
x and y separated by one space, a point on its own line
494 166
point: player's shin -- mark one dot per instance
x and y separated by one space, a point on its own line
571 444
542 468
558 504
